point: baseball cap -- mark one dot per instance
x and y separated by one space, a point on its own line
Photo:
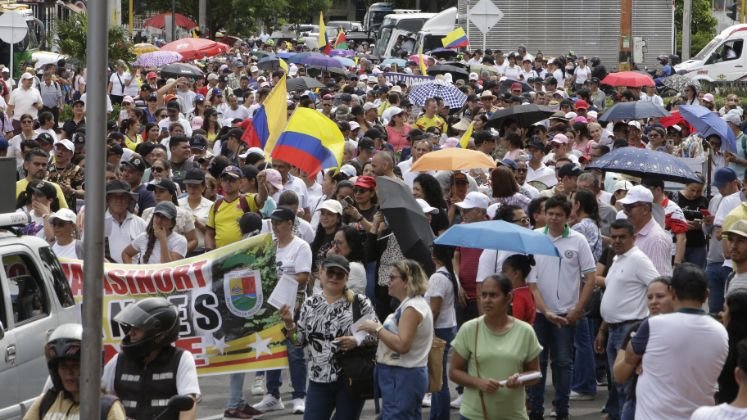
66 215
216 92
569 170
127 100
166 208
163 183
638 194
427 208
199 98
198 141
67 144
27 75
582 104
232 171
708 97
45 137
117 187
510 163
332 206
151 75
354 126
622 185
6 70
473 76
45 188
724 176
337 261
274 178
235 132
282 213
366 143
254 69
135 162
349 170
536 144
516 86
194 176
733 117
739 228
560 138
367 182
368 106
473 200
635 124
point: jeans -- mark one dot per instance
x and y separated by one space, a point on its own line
371 280
297 368
615 338
628 412
557 345
584 364
236 390
716 274
402 390
696 255
440 400
323 399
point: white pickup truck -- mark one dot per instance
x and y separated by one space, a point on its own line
35 298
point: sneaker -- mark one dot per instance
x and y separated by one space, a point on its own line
259 386
299 405
235 413
427 400
457 402
248 409
577 396
269 403
536 416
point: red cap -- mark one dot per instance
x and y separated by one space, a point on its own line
367 182
516 86
581 104
168 98
152 75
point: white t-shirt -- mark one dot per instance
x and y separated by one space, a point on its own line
200 214
186 375
421 344
720 412
582 74
121 235
119 82
439 285
23 101
293 258
357 278
66 251
627 285
176 243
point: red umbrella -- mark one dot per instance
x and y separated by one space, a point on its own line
673 119
628 79
195 48
159 21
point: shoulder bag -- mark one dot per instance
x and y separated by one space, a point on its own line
358 364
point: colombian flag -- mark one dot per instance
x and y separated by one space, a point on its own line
271 117
323 41
455 39
310 141
464 141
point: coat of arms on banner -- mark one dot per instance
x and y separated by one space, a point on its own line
243 291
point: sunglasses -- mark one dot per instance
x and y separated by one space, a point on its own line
360 190
157 169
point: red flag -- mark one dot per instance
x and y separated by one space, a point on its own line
250 136
340 40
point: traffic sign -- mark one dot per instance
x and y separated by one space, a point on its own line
484 15
13 27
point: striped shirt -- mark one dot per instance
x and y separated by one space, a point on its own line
655 242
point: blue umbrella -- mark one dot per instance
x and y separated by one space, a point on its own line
399 62
318 60
452 96
345 61
286 55
269 63
500 235
637 110
707 123
342 53
644 163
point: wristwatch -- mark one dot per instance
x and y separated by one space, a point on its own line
378 329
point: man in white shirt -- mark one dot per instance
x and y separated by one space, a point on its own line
624 301
121 226
682 353
234 111
560 299
295 184
24 99
650 237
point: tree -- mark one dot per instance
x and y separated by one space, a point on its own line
72 35
703 24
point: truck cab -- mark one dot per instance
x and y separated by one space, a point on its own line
435 29
399 33
724 59
35 298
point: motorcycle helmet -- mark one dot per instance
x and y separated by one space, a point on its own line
62 344
159 321
594 61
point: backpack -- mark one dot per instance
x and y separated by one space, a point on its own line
246 206
49 397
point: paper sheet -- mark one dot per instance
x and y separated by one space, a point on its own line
524 378
360 335
284 293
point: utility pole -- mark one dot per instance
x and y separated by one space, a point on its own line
202 18
687 11
626 35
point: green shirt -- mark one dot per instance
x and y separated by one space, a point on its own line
501 355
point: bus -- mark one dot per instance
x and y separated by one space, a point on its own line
375 15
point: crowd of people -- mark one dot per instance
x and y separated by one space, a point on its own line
621 306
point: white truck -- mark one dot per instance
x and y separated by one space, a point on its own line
724 59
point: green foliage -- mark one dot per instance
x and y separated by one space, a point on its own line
703 26
73 35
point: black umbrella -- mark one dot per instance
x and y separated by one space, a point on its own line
506 86
269 63
406 220
302 83
177 70
314 70
645 163
456 72
525 115
444 53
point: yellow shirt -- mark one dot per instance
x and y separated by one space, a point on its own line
425 123
23 183
68 409
132 144
225 221
739 213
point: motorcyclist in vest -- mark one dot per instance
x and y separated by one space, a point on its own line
150 369
62 400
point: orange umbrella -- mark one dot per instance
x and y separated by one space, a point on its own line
452 160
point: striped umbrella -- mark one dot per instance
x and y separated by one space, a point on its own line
452 96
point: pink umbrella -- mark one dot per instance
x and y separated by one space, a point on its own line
159 21
195 48
415 58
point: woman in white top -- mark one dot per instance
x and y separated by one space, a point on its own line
442 289
581 74
159 243
38 201
404 343
65 243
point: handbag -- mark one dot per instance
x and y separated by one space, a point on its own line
358 364
436 365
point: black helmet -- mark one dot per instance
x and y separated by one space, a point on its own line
663 59
594 61
158 319
62 344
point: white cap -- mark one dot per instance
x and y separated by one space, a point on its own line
708 97
427 209
27 75
349 170
212 76
396 89
560 138
67 143
733 117
622 185
638 194
254 69
354 125
635 124
363 77
66 215
473 76
332 206
473 200
368 106
6 70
